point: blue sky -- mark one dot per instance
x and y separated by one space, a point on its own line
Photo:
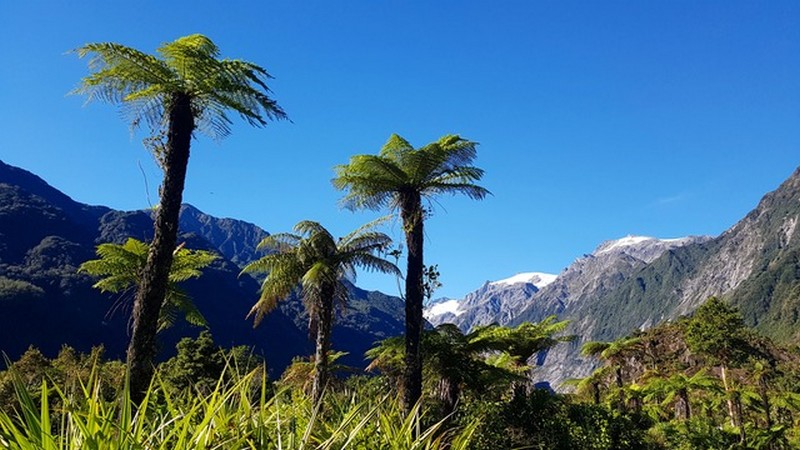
595 119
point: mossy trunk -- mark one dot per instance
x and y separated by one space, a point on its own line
411 213
323 344
155 276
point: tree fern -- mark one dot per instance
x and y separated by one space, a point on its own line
120 268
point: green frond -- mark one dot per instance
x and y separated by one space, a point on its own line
280 242
188 264
310 229
372 243
371 181
364 230
375 181
190 66
184 304
374 263
319 275
121 266
594 348
313 259
281 263
265 304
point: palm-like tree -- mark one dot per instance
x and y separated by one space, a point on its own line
121 267
612 352
318 263
677 388
186 88
488 358
400 177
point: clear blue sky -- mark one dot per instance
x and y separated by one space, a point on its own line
595 119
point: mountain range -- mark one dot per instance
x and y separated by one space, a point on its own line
622 286
636 282
45 302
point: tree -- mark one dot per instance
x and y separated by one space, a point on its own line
488 358
186 88
676 390
717 331
301 372
400 177
613 353
319 263
121 267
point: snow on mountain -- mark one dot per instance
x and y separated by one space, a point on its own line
645 248
627 241
445 307
538 279
446 310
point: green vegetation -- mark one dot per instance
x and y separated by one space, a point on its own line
400 177
319 263
706 382
240 411
475 396
122 266
489 359
187 89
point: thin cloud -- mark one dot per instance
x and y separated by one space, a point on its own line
671 200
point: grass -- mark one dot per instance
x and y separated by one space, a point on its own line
240 414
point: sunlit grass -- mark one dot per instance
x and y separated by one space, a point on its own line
242 413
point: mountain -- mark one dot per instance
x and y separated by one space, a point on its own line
574 296
45 236
755 265
496 301
571 295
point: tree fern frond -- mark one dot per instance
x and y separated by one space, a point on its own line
366 229
188 66
120 267
183 304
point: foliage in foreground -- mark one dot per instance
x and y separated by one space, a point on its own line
652 393
241 414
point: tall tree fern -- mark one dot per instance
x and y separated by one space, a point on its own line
185 88
400 177
312 260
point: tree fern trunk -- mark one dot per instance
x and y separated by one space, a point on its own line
763 392
322 350
729 401
153 287
449 392
411 212
683 410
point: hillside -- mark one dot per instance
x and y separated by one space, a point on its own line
44 302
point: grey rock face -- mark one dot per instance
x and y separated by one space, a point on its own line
491 303
570 296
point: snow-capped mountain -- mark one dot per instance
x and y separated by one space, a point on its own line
533 296
537 279
495 301
644 248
